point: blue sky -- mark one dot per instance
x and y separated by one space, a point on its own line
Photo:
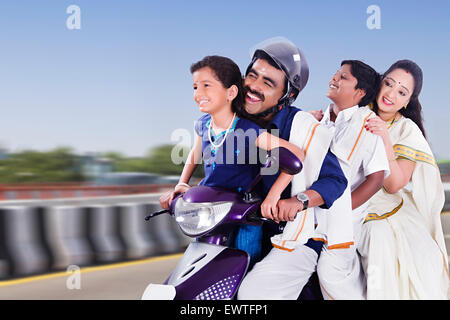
122 81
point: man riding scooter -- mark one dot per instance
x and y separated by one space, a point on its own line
273 80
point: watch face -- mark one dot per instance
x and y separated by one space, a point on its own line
303 198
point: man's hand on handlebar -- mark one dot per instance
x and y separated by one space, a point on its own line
280 210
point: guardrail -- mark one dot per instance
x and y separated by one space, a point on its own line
38 236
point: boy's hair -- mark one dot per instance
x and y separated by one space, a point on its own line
228 73
368 80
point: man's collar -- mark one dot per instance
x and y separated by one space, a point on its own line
279 119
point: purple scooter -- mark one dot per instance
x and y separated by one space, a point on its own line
209 268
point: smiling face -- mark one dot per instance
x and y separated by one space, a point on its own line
264 86
342 88
395 92
209 93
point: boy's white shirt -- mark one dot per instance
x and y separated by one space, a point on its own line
365 157
315 139
360 153
345 138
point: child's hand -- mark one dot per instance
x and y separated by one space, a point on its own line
318 114
166 199
288 208
269 208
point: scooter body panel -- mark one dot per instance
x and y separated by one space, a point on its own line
206 272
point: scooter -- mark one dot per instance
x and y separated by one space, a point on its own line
210 269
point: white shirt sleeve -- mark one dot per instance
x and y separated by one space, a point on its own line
375 158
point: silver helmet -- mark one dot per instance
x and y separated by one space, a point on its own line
291 60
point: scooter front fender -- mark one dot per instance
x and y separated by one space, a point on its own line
205 272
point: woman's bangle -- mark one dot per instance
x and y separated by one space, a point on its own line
183 184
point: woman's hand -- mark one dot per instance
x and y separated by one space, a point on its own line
318 114
377 126
166 199
269 208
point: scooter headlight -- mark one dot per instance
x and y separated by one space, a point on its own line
197 218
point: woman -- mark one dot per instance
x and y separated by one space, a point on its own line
402 244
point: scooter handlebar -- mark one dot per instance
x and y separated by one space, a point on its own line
154 214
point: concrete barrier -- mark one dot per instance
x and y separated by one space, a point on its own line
104 233
164 230
67 236
135 231
22 240
445 218
4 264
447 197
37 236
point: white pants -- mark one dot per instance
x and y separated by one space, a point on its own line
340 274
281 275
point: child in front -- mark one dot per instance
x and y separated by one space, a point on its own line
217 84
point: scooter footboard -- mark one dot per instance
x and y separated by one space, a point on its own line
208 272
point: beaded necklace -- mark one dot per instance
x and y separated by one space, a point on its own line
225 136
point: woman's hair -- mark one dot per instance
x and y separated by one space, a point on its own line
413 110
228 73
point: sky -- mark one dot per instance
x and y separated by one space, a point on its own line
121 81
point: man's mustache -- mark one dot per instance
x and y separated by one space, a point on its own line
256 93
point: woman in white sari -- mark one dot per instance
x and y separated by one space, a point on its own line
402 245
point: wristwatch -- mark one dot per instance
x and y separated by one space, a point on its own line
303 198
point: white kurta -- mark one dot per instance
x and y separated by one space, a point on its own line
283 273
402 244
314 139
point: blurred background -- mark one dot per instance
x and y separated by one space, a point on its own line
92 91
103 88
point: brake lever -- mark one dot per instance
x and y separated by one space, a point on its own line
154 214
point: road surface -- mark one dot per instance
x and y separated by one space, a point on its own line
120 281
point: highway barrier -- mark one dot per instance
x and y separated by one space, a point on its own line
66 233
38 236
23 247
103 233
138 237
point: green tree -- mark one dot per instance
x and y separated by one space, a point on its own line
157 160
57 165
